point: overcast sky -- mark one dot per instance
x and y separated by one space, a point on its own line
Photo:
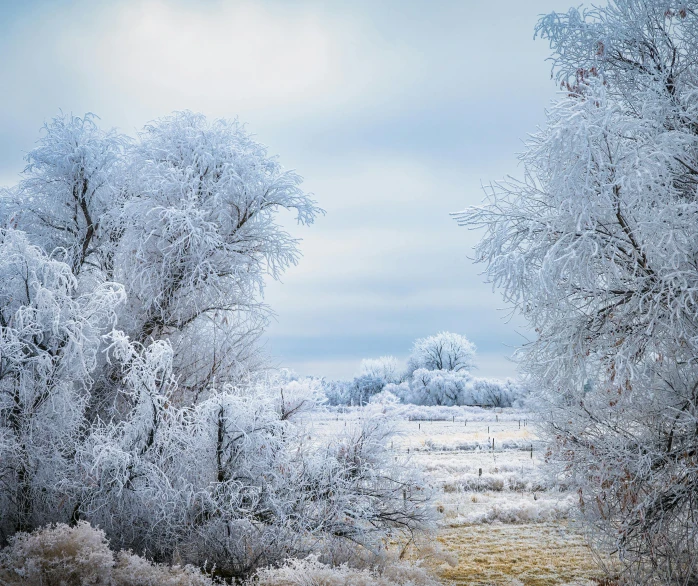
395 112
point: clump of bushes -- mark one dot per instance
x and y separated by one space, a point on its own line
312 572
80 556
438 373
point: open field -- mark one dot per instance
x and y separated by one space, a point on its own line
500 514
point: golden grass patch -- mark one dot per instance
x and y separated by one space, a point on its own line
535 554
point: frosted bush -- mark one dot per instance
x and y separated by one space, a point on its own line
520 511
80 556
438 387
294 395
311 572
385 397
386 368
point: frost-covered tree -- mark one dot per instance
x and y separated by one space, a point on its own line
49 342
386 367
70 184
198 237
183 217
439 387
131 275
443 351
236 482
374 374
597 247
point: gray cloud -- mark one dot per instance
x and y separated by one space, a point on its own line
393 111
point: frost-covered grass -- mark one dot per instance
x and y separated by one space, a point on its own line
80 556
500 511
311 572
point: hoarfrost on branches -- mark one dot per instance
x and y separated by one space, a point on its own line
597 247
133 394
443 351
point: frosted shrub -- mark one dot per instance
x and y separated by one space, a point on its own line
58 554
311 572
386 368
293 395
517 511
80 556
235 483
50 336
438 373
385 397
438 387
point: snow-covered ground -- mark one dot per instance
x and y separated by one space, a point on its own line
500 513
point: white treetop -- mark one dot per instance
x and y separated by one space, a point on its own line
386 368
443 351
69 186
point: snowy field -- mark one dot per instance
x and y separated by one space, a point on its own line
501 519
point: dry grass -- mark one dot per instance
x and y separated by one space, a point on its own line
501 517
536 554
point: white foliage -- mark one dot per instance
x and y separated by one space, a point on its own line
234 482
48 348
312 572
70 184
135 406
80 556
386 368
597 248
443 351
294 396
385 397
199 229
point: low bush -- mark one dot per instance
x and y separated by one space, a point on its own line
80 556
311 572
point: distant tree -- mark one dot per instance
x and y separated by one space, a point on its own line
444 351
386 368
443 387
438 387
363 387
597 248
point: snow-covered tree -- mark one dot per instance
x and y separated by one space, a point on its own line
131 275
198 237
443 351
439 387
49 342
70 184
597 247
386 368
183 217
237 483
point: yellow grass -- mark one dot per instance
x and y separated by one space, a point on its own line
536 554
539 547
